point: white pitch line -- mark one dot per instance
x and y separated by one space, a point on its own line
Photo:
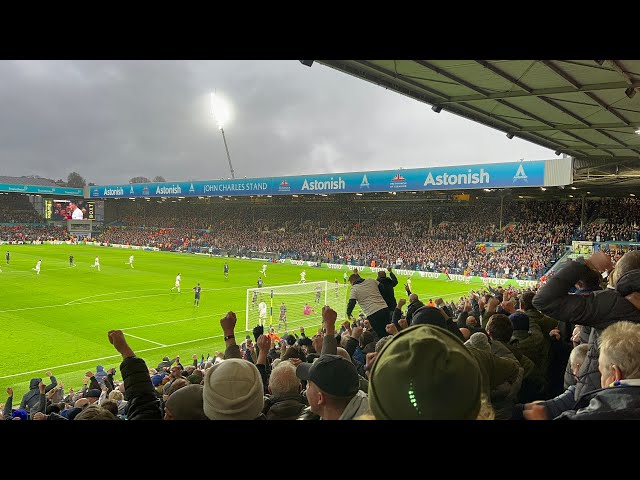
79 300
177 321
146 340
144 350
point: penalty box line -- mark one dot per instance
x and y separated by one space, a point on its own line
139 351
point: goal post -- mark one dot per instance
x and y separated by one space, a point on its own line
303 303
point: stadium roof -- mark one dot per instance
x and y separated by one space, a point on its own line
32 180
587 109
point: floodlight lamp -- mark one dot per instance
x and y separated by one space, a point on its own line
219 110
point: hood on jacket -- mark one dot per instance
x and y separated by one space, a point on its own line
629 283
359 405
33 384
99 368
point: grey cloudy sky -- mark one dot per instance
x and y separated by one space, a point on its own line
113 120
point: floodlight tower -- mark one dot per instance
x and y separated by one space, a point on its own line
221 115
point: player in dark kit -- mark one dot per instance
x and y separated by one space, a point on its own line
260 282
197 289
226 270
71 264
283 317
318 293
8 257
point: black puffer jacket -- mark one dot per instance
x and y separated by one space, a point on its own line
598 310
139 391
386 286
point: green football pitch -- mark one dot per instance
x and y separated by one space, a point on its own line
59 320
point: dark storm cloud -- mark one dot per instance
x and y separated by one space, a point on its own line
113 120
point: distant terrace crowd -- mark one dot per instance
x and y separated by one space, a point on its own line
411 235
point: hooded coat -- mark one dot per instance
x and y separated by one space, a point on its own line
32 397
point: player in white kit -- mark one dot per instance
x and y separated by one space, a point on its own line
303 277
96 264
262 312
264 269
37 268
131 261
177 286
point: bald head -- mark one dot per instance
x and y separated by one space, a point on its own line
466 333
413 298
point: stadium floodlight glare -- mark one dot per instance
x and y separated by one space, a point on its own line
221 113
632 194
543 189
638 131
573 188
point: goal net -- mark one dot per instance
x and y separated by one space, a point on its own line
303 303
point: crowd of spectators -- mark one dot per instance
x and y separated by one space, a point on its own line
415 235
567 350
17 209
31 233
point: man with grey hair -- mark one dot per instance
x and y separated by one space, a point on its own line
284 401
619 365
565 401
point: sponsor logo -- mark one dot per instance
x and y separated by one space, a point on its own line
398 182
284 186
191 189
113 191
469 178
297 262
335 266
364 183
131 191
145 190
331 184
170 190
407 273
96 192
520 175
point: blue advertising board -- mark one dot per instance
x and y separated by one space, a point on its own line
40 190
497 175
